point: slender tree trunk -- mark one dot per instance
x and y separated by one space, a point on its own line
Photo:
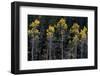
50 41
82 48
47 53
62 46
75 49
36 47
32 49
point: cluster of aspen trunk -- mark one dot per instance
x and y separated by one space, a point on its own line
57 41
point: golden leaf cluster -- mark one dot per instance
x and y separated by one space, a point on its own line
34 31
35 23
75 28
50 31
62 24
83 33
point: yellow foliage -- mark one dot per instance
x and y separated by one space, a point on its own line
75 28
62 21
75 31
51 29
29 31
49 34
65 26
36 31
47 30
83 33
33 24
37 22
85 29
75 38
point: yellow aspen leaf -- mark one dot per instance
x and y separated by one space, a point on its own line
51 28
37 22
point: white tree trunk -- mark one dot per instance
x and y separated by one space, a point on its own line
62 46
32 48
